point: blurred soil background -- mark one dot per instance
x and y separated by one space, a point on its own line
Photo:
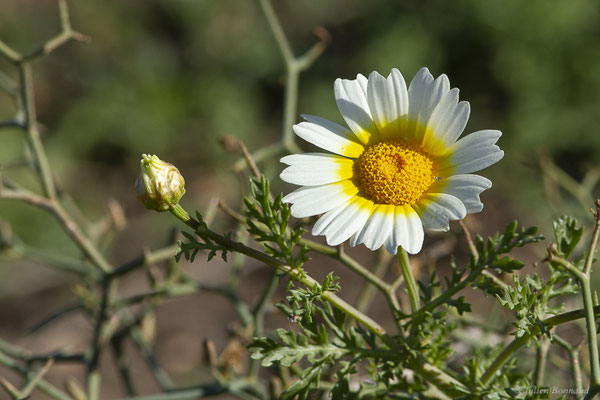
173 77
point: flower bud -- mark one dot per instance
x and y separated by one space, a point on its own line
160 185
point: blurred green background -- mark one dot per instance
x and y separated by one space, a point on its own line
172 77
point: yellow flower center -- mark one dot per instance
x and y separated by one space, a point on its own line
394 172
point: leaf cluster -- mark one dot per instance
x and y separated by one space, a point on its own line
267 220
530 298
491 256
324 341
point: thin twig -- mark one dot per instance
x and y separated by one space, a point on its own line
469 239
574 358
8 85
123 366
293 66
31 385
52 206
33 134
367 293
249 159
93 374
559 176
154 256
259 312
42 384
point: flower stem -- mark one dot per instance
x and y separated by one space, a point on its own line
184 217
409 278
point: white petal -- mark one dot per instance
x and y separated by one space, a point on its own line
313 169
328 136
351 98
446 123
424 94
388 101
312 200
417 90
325 219
472 153
437 209
377 229
407 231
341 223
466 188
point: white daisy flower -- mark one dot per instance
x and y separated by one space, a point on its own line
398 168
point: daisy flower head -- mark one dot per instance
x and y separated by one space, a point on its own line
396 169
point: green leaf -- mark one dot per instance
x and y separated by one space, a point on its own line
507 264
567 235
302 385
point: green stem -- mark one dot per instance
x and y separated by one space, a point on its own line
337 253
506 353
540 364
517 343
592 251
590 323
411 284
374 278
296 274
588 306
